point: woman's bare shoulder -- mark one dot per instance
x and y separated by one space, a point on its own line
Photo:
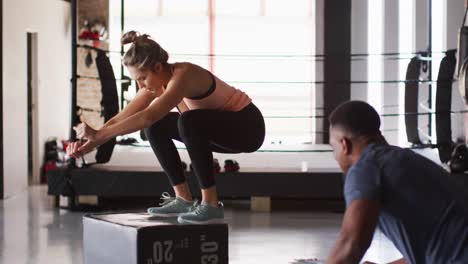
191 77
188 68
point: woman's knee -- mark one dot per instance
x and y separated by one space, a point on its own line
161 126
189 122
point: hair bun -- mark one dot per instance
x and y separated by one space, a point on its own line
144 53
129 37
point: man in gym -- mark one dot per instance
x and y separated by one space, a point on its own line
411 199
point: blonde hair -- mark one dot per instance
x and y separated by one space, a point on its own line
144 53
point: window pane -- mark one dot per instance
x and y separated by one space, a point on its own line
185 7
288 8
269 58
256 49
237 8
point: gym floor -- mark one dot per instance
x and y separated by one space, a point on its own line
32 231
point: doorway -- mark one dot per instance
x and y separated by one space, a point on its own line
32 87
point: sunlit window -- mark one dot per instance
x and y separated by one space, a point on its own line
262 47
437 43
405 45
272 62
375 46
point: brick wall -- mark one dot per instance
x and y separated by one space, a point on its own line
92 9
89 94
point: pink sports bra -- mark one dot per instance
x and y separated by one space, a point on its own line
220 96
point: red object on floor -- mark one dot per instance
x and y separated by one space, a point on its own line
231 166
216 166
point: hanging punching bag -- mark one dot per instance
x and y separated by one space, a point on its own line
109 103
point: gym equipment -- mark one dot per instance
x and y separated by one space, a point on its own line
459 160
131 238
216 166
134 173
127 141
109 102
462 81
411 100
444 106
184 166
462 44
231 166
308 261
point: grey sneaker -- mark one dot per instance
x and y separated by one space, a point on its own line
203 214
171 207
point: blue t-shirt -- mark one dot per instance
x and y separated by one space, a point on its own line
422 212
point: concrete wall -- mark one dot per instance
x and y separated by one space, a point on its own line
50 19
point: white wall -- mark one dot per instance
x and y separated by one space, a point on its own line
51 20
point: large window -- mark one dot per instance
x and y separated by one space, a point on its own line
406 45
269 46
375 46
262 47
437 43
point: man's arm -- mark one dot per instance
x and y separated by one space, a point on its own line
356 233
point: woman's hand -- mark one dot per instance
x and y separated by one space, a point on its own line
78 149
72 149
89 140
84 131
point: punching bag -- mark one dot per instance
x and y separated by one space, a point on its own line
109 103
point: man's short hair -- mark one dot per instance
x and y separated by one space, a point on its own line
356 117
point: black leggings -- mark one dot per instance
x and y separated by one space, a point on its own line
204 131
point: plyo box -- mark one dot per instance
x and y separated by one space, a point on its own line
137 238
